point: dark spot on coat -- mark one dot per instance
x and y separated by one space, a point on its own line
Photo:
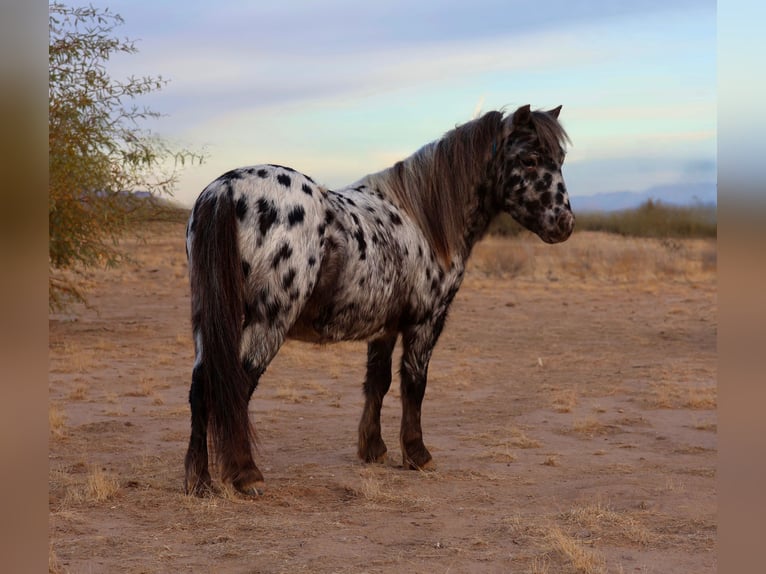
359 236
291 170
231 175
395 219
296 215
241 207
248 315
284 179
312 261
267 215
284 253
288 278
273 309
262 173
245 268
306 188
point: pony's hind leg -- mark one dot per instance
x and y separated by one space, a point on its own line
197 476
371 447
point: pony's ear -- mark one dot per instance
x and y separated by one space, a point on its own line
521 116
555 112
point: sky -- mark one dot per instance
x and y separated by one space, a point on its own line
340 88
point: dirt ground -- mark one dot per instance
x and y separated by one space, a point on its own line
571 412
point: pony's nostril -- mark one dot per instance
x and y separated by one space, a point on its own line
566 222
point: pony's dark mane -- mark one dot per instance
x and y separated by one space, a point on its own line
432 185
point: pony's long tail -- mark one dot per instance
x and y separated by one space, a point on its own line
217 282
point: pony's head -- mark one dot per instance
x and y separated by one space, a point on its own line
530 155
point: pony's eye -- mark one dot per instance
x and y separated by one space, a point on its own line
529 161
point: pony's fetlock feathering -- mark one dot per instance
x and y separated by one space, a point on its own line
273 255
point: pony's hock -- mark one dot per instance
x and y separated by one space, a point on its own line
273 255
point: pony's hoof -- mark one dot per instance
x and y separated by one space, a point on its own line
419 460
250 489
427 466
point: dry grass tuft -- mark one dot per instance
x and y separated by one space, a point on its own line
56 422
581 559
496 256
98 486
590 427
380 489
53 562
519 439
667 395
291 395
604 522
564 400
101 485
79 392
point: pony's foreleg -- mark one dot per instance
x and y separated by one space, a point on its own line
371 447
197 480
417 346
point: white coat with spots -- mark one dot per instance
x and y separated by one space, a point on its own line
273 255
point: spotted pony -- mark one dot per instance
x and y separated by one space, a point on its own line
274 255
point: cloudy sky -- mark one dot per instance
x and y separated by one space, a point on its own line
341 88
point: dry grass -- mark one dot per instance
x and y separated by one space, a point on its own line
501 444
72 358
147 387
564 400
580 559
591 427
380 489
500 257
56 421
519 439
666 395
53 562
589 255
79 392
604 522
97 486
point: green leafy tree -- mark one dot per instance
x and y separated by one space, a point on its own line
98 150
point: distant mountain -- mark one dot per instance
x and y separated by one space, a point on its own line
674 194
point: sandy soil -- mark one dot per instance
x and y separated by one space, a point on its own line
571 412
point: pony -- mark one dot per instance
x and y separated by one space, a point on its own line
274 255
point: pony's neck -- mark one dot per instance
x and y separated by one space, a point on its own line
440 186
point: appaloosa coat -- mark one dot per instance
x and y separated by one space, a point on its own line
273 255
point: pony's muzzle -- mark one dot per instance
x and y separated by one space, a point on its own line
561 229
566 223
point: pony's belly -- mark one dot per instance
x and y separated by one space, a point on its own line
316 330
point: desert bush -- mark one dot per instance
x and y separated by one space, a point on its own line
98 154
653 219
